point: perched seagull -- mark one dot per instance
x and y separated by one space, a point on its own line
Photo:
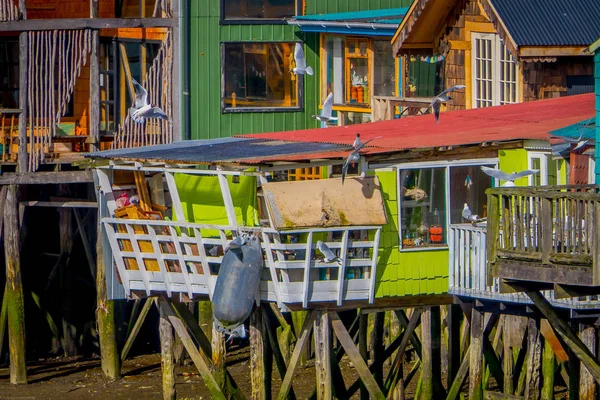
236 243
443 97
354 156
301 67
509 178
327 253
142 109
325 115
231 331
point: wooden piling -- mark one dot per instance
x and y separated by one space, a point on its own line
534 350
363 325
167 359
377 346
587 384
548 366
14 289
476 356
261 388
427 361
453 352
218 356
508 361
322 337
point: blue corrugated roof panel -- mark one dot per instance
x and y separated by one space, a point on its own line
388 15
550 22
587 127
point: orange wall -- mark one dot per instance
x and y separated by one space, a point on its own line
38 9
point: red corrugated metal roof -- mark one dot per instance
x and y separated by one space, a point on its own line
531 120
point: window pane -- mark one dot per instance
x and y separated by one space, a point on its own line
483 79
258 75
468 185
9 73
536 163
333 67
423 207
237 9
508 80
359 80
385 74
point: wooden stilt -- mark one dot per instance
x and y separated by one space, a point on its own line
461 374
427 359
548 365
199 359
476 356
301 343
414 340
298 318
453 354
205 318
136 328
260 386
534 349
491 352
167 360
218 356
14 290
570 338
322 337
573 369
268 326
354 355
377 347
362 347
587 385
507 359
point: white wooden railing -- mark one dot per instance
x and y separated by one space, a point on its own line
156 256
468 271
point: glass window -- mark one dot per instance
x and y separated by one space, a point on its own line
257 75
423 207
258 9
550 169
357 65
108 87
467 185
9 74
384 74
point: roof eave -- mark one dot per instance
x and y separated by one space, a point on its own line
594 46
377 28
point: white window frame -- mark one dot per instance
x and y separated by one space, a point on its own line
543 157
497 48
435 164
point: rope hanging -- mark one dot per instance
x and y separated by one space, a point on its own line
50 84
158 83
9 11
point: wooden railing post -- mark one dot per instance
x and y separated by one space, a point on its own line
546 229
493 233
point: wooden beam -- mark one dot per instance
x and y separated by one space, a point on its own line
363 326
260 385
94 112
573 342
60 204
355 357
460 376
548 369
167 359
178 71
537 272
322 337
46 178
136 328
268 326
14 288
476 355
587 386
552 51
534 355
86 23
23 160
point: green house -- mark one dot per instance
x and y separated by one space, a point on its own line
241 57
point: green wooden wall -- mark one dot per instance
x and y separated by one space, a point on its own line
206 36
406 273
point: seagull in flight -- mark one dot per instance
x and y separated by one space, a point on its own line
328 253
142 109
443 97
300 68
354 156
325 115
509 178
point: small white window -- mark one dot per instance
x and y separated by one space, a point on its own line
495 73
550 170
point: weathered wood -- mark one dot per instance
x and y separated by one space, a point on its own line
260 386
177 54
199 359
548 365
363 350
596 245
476 356
355 357
14 288
507 360
414 340
453 354
587 386
3 319
94 110
23 159
487 395
219 352
538 272
86 244
461 374
86 23
322 337
46 178
427 358
302 341
491 352
377 347
546 231
136 328
167 360
268 326
534 349
570 338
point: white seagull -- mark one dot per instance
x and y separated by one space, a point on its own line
142 109
327 253
442 98
325 115
301 67
509 178
354 156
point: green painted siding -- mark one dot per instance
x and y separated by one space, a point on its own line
406 273
514 160
206 36
597 75
327 6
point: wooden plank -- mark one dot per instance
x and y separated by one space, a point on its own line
136 328
587 386
342 268
538 272
548 370
271 265
359 203
303 338
575 344
534 354
199 359
94 110
306 277
493 233
23 157
14 288
460 376
508 359
355 357
476 355
427 359
86 23
258 376
167 359
60 204
322 337
46 178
